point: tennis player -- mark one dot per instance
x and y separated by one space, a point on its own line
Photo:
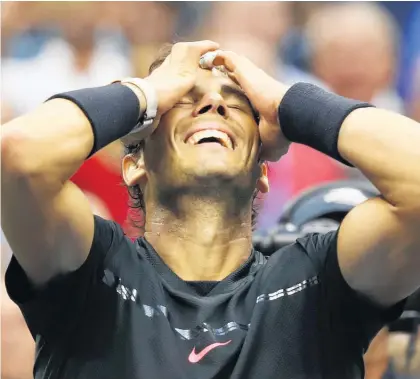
192 298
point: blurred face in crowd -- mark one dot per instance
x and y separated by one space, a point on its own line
253 29
266 21
79 24
352 51
148 22
259 52
208 144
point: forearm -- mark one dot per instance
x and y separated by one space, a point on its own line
50 142
385 146
53 140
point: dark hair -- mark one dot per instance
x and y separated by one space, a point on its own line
137 204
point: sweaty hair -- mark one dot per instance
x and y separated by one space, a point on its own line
137 204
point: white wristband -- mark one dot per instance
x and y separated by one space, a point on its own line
149 93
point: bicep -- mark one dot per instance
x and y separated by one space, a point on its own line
379 252
48 235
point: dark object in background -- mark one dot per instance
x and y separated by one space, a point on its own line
407 323
413 302
319 209
331 201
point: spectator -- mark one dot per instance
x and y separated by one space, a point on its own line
353 49
67 63
148 25
84 57
238 27
24 29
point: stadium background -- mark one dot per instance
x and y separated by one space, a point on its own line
368 51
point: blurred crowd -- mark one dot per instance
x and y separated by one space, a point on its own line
366 51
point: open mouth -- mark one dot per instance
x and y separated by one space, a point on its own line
210 136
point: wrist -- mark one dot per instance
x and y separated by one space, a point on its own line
313 117
112 111
140 96
282 90
147 96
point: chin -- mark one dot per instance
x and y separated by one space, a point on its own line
221 177
219 163
214 174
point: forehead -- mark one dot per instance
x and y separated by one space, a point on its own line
213 80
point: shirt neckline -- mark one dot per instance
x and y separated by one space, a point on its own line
234 280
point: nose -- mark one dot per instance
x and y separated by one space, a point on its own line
212 103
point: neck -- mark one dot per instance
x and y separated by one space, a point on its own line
200 239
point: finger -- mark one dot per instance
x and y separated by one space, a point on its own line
233 77
189 53
236 64
244 72
229 59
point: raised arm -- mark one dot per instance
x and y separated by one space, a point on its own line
379 240
46 218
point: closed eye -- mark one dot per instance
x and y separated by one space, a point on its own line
242 108
181 103
234 106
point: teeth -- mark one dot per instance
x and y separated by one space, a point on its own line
223 138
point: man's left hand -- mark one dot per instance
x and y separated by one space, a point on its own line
265 94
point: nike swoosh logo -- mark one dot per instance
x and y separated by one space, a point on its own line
194 357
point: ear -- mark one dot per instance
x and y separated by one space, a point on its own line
133 170
262 182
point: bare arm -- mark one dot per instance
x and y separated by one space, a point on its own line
379 241
46 218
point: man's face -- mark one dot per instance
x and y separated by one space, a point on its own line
209 139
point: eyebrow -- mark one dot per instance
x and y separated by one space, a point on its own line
235 91
226 89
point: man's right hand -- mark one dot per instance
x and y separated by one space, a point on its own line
177 74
